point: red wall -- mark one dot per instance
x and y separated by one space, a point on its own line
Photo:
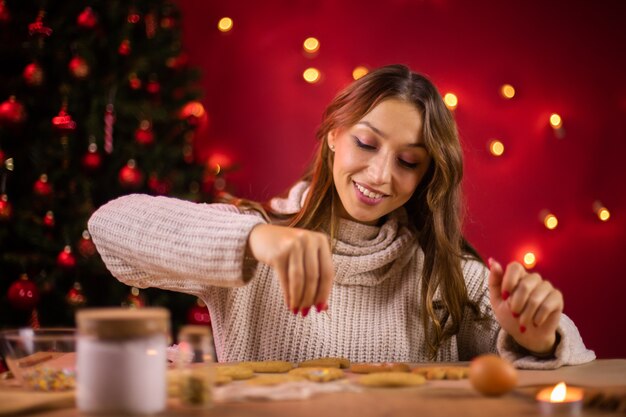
561 56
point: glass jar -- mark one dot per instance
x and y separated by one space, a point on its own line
196 357
121 360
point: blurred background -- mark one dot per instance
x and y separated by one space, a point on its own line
560 57
190 99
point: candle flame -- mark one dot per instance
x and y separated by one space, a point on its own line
558 393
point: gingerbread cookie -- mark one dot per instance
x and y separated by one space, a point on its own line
235 372
268 380
222 379
318 374
442 372
271 367
368 368
391 379
326 363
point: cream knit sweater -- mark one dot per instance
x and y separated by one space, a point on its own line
373 314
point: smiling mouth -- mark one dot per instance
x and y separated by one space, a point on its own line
371 196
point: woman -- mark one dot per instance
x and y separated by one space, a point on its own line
371 236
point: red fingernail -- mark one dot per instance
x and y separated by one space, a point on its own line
490 262
295 311
319 307
305 311
505 295
516 315
522 328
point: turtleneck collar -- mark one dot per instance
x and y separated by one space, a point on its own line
363 254
367 255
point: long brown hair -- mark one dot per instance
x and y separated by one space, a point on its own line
434 210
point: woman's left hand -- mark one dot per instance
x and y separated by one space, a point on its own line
526 306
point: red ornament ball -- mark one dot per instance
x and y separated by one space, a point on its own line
78 68
86 246
42 187
48 219
66 259
23 294
134 82
33 74
124 48
130 176
92 160
75 296
12 112
199 314
177 62
144 134
87 19
6 208
133 17
5 16
153 87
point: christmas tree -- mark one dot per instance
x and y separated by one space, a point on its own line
95 102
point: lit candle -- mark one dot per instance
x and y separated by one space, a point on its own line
560 400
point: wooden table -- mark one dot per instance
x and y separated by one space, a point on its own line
436 398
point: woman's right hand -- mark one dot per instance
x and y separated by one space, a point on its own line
302 261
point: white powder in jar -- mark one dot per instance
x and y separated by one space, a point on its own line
121 361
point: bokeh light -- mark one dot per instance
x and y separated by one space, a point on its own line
359 71
556 121
530 260
451 101
311 75
601 211
507 91
496 147
225 24
550 221
311 45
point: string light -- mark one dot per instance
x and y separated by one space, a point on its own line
507 91
359 71
311 75
496 147
451 100
225 24
601 211
530 260
311 45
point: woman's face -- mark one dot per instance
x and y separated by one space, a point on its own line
379 161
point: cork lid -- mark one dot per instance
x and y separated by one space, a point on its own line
122 323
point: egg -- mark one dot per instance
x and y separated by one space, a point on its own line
492 375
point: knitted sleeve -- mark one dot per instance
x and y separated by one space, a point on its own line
477 335
482 336
173 244
570 351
